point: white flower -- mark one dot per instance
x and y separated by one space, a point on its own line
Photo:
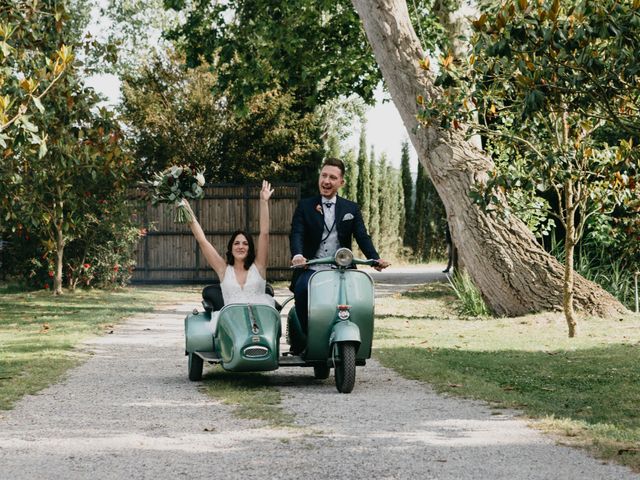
200 179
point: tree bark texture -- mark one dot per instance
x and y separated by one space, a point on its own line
513 272
570 243
57 281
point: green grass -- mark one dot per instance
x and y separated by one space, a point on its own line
251 393
586 389
39 332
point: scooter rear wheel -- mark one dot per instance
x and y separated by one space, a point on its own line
345 367
195 367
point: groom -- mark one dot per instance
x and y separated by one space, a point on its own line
321 225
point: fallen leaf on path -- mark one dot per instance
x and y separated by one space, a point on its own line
455 385
210 429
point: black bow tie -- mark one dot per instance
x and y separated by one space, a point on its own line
328 204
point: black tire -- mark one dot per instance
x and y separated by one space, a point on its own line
195 367
321 372
346 367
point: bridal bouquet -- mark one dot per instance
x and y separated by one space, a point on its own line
175 184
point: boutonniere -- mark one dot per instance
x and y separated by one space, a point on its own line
319 209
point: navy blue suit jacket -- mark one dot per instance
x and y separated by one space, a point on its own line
307 227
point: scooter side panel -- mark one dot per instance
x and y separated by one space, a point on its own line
324 296
197 333
240 348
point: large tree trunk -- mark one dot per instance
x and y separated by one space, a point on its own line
514 274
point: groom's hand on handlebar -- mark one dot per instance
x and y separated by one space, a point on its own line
298 261
381 264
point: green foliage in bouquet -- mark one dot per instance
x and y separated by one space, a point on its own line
175 184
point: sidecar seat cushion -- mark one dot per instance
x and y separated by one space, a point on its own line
212 298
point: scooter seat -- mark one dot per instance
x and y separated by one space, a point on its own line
212 300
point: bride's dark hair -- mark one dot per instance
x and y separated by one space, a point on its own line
251 254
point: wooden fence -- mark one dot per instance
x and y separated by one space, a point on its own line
169 253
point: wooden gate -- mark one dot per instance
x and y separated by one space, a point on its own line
169 252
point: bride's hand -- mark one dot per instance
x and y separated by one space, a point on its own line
187 206
266 192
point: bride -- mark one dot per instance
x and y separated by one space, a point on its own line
243 272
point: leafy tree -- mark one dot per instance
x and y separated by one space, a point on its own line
53 194
513 272
28 72
364 177
176 119
133 33
314 50
50 192
546 80
407 189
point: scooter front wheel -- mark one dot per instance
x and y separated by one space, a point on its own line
345 367
195 367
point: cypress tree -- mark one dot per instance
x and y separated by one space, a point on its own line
374 205
399 215
350 188
421 214
385 203
333 146
363 193
407 190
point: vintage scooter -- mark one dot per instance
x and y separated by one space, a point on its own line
247 337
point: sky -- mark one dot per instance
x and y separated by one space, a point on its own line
386 132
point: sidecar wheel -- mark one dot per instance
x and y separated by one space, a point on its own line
321 372
195 367
346 368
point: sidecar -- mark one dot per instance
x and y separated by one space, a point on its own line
246 337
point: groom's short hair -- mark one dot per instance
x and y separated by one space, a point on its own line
334 162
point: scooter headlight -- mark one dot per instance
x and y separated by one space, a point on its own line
344 257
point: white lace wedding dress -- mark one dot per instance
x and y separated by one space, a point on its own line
251 292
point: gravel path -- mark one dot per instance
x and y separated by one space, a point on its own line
130 412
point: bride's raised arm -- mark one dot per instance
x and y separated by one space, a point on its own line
210 253
262 249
